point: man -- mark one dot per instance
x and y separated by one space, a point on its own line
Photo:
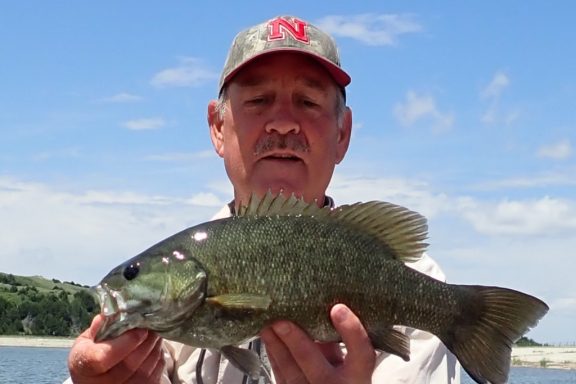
281 124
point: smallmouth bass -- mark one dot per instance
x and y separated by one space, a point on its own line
217 284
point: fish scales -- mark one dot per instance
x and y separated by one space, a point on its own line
307 275
217 284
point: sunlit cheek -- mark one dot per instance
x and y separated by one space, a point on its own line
235 167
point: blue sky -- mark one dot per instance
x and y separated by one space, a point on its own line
463 112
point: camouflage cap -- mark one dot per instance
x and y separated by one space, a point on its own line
284 33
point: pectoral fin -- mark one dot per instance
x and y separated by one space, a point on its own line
247 361
241 301
391 341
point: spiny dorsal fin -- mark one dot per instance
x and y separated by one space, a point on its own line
280 205
401 229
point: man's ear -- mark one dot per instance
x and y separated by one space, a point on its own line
344 134
215 122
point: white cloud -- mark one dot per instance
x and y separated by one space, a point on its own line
511 116
371 29
493 115
417 107
80 236
536 217
489 116
540 180
122 198
144 124
542 217
559 150
190 73
205 200
63 153
491 93
567 304
415 195
496 86
123 97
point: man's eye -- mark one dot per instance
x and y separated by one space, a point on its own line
256 101
309 103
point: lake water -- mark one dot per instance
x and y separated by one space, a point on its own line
523 375
26 365
23 365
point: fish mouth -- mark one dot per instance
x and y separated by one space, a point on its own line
111 301
118 317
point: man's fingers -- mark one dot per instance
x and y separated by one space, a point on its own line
360 357
296 358
299 357
154 360
140 356
332 352
110 353
88 358
151 367
158 370
283 365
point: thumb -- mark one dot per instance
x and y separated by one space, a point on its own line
91 332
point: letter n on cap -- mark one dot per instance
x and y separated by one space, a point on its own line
278 28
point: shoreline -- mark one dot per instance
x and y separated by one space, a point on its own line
35 341
534 357
544 357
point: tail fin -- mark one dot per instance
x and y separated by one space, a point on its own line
483 334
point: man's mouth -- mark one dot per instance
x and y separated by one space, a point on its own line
282 157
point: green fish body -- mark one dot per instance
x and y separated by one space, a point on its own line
216 285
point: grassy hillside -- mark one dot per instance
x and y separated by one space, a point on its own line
34 305
41 283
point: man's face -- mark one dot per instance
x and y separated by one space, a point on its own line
281 131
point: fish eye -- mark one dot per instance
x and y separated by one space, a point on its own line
131 271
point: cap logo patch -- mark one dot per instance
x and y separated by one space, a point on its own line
279 27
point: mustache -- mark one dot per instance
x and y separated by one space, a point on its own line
275 141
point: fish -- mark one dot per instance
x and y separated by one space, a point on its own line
219 283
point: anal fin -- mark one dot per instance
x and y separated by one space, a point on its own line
391 341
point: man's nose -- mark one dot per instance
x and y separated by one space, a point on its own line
283 120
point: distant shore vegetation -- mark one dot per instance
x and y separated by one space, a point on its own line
38 306
527 342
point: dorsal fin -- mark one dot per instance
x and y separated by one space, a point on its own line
280 205
401 229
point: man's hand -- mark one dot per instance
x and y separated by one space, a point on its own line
295 358
133 357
